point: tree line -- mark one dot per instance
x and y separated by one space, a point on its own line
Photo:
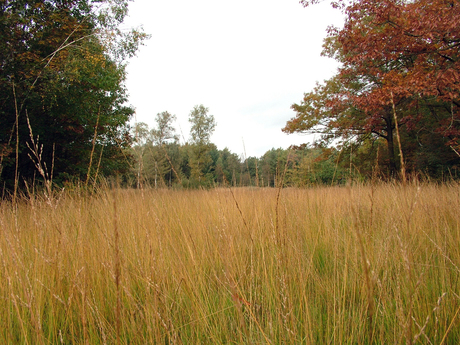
392 110
160 160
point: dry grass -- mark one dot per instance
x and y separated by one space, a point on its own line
353 265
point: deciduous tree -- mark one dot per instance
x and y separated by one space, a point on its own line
61 85
203 126
164 131
399 66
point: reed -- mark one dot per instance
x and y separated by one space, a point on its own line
358 264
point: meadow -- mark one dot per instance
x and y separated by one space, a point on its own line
361 264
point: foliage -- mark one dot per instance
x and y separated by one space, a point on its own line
61 87
165 131
399 70
228 167
173 164
203 126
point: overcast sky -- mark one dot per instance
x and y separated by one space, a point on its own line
246 60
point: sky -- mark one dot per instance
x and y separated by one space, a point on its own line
247 61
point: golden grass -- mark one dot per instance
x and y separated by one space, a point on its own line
362 264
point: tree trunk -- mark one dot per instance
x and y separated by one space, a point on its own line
390 145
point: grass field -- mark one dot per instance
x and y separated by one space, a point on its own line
331 265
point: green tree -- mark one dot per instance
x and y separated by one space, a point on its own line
272 165
163 139
251 171
141 134
203 125
227 168
156 152
62 89
164 131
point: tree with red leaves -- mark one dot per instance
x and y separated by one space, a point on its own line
399 68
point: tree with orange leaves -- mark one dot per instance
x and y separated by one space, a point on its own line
399 69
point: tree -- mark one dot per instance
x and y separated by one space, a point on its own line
156 152
163 137
399 67
165 131
412 49
228 167
141 135
203 126
329 110
61 88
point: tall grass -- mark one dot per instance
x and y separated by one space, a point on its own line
338 265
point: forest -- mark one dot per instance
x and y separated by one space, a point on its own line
391 111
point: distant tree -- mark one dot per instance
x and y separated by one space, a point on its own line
164 131
184 159
157 152
228 167
203 126
141 135
251 170
272 164
163 138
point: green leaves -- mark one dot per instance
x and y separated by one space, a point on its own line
165 131
68 83
203 125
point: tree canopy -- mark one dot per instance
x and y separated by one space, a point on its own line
62 88
203 125
399 71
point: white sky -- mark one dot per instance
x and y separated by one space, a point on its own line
248 61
